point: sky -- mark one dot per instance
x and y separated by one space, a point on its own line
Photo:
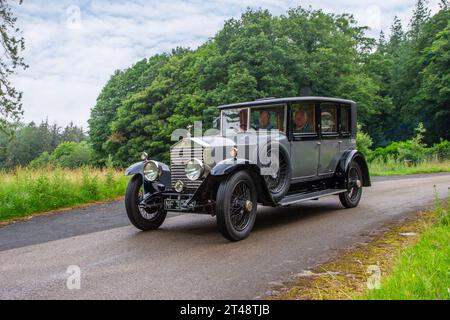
73 47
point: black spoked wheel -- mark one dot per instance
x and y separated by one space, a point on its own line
144 217
239 213
236 206
278 183
351 198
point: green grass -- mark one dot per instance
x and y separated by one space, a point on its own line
27 191
395 167
421 272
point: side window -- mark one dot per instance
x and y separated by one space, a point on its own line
304 118
234 120
268 118
328 112
345 119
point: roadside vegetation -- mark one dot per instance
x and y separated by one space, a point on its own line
411 156
411 259
421 271
396 167
26 191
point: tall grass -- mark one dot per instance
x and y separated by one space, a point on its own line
27 191
396 167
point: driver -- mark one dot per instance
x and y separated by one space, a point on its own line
264 120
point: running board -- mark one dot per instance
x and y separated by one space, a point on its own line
297 198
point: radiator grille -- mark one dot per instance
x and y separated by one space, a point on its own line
178 159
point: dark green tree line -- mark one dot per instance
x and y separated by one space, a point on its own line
29 141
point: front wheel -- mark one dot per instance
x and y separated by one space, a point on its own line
236 205
145 218
351 198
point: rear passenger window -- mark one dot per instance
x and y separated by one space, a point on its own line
304 118
345 119
329 117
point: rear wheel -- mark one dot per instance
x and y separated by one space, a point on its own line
279 182
236 205
148 217
351 198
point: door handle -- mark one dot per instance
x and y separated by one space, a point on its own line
319 143
340 141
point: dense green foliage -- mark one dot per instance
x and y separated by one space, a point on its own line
411 151
27 191
413 71
66 155
397 82
363 142
30 141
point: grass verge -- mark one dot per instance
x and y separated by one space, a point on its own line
26 191
421 271
411 259
394 167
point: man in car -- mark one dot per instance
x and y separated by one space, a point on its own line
301 122
264 120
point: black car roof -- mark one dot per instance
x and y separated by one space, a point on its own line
269 101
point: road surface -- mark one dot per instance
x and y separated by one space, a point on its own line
187 258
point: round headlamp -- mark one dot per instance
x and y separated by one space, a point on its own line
194 169
152 171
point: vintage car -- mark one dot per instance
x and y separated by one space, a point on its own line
273 152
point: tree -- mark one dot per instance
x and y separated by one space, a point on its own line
396 82
121 85
432 99
71 154
421 14
258 55
11 45
72 133
397 36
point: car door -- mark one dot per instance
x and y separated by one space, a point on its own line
329 143
305 140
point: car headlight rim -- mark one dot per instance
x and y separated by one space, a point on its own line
152 171
194 169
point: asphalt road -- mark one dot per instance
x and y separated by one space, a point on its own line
187 258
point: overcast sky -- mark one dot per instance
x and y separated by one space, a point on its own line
73 47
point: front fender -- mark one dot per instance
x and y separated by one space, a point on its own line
229 166
136 168
163 183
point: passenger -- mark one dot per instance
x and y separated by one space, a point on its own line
302 124
264 120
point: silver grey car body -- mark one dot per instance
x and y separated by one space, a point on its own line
315 140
